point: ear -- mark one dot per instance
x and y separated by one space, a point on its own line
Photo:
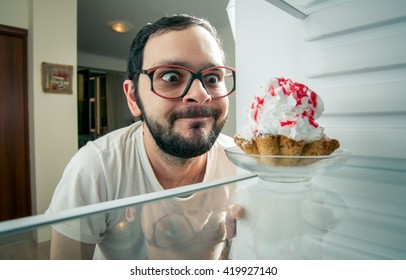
128 87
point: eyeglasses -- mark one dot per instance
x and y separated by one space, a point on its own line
174 81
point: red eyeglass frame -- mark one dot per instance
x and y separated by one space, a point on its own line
150 73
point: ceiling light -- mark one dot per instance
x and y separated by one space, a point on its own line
120 26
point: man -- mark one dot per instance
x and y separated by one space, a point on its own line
178 85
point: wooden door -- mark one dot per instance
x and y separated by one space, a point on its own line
15 191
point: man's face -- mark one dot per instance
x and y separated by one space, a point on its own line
188 127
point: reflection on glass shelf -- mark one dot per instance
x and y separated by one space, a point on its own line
179 227
23 246
351 213
182 223
334 219
282 218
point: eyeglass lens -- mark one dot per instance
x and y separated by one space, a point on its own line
172 82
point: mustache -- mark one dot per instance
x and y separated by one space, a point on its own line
194 112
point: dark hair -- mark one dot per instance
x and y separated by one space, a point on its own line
162 25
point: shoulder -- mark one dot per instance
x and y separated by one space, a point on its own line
95 158
118 138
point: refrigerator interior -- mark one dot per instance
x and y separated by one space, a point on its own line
351 53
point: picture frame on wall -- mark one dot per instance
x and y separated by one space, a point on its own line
56 78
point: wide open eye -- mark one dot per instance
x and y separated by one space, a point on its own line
171 76
211 79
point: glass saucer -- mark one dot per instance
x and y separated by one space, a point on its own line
287 169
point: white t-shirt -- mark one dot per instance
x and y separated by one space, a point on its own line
116 166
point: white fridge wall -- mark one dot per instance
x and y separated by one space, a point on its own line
354 58
352 55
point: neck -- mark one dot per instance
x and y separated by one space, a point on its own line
172 172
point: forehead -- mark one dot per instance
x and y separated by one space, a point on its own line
193 46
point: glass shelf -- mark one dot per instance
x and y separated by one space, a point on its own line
349 213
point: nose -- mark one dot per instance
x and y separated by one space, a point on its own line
197 93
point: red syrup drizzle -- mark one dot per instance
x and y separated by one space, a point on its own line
256 105
299 92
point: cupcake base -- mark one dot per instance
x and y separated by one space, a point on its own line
279 145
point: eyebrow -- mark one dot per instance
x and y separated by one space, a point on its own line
186 64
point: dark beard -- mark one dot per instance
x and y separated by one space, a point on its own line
175 144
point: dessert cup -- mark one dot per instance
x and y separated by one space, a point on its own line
264 165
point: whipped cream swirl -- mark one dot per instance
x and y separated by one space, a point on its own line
284 107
